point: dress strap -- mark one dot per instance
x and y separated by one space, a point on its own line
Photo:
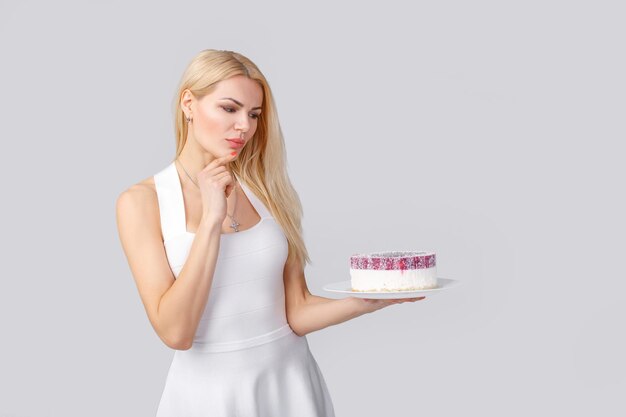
256 203
171 203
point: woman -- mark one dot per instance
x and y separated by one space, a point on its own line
215 246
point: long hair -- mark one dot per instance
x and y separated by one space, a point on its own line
262 163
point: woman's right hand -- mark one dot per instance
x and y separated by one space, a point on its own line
216 183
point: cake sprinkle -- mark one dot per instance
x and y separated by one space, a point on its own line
388 260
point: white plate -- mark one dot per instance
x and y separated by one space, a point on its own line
345 287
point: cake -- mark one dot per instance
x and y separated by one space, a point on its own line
393 271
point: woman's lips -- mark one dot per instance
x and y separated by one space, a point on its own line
235 144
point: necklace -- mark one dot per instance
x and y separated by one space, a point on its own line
234 223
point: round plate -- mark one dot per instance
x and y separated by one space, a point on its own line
345 287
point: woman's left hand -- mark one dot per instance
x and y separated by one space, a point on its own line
369 305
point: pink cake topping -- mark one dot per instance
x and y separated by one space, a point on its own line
393 260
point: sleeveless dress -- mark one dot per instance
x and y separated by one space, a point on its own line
245 360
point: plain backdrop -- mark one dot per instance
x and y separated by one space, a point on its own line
489 132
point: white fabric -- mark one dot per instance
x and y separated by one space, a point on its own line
245 360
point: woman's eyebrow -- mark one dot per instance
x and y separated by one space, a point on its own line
228 98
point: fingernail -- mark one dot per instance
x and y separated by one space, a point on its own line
233 153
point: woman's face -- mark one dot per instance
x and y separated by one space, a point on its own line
233 107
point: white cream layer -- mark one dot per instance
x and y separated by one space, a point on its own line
393 279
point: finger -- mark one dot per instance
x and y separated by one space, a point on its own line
221 160
225 179
229 189
220 177
220 180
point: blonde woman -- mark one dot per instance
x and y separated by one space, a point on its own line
214 243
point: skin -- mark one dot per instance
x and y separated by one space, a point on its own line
213 120
206 156
206 153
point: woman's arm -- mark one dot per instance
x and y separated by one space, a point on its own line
174 305
318 312
307 313
181 307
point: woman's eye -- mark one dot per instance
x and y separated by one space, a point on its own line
228 109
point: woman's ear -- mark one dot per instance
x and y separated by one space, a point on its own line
186 100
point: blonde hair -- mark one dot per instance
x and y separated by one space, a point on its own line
262 163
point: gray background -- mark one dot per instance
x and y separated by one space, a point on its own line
490 132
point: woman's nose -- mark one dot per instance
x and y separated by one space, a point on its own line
243 124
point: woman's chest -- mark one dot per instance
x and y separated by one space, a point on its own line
260 250
240 213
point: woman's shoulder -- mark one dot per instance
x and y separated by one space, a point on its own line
138 204
140 196
143 189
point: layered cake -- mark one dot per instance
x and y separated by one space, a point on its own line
393 271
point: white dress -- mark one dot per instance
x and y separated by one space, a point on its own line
245 360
